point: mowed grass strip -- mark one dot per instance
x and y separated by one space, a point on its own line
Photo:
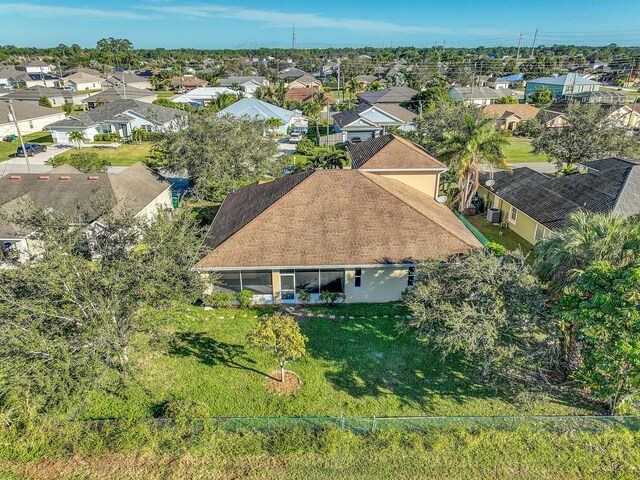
519 151
8 149
357 365
124 156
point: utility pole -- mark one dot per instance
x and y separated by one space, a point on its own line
338 79
533 45
124 87
519 43
293 36
15 122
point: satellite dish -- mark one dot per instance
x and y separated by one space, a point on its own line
490 183
442 199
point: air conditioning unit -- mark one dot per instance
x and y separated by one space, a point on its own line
493 215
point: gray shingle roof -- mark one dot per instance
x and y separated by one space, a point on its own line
611 185
388 95
34 93
118 93
117 111
25 110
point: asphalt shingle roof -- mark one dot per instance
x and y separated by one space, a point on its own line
390 152
388 95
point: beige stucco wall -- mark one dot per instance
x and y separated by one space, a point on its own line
161 202
525 226
382 284
426 182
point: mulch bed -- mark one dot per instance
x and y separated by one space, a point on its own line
290 385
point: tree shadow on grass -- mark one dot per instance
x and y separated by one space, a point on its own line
374 361
212 352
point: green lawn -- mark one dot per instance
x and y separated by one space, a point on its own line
497 234
8 149
124 156
355 366
519 150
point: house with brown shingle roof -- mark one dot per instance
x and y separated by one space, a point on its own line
359 232
510 115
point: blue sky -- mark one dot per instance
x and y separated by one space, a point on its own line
324 23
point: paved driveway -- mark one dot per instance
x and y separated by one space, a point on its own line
37 162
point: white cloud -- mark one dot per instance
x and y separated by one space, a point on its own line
44 11
275 18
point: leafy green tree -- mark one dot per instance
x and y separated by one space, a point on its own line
77 137
477 143
591 133
542 96
85 161
509 100
281 336
66 321
604 303
45 102
488 307
219 152
138 135
428 98
68 108
374 86
165 102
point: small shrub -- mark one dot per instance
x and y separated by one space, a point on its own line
332 298
495 248
220 299
306 147
304 297
244 298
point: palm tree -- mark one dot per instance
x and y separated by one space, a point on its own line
353 87
478 142
312 110
561 258
223 101
330 158
77 137
138 135
273 124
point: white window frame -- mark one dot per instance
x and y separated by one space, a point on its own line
411 276
513 215
357 276
539 226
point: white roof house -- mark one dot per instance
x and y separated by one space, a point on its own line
254 108
203 95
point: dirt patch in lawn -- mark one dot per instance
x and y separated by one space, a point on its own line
290 385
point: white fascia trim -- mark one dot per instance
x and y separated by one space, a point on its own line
305 267
403 169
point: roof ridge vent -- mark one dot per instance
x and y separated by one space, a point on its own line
43 177
15 177
93 177
64 178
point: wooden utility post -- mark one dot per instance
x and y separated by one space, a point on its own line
15 122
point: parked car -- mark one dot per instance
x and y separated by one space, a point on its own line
295 137
32 149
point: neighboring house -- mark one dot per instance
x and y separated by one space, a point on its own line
562 86
66 190
120 116
365 121
248 85
186 83
628 115
395 95
292 120
513 78
307 95
497 83
89 71
31 117
56 96
305 81
34 66
328 69
11 78
360 232
129 79
604 96
510 115
80 81
533 205
203 95
290 73
113 94
366 80
482 95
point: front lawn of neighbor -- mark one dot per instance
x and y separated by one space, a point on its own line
358 365
8 149
519 151
124 156
500 235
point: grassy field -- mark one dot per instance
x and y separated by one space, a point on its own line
519 151
135 454
124 156
356 366
497 234
8 149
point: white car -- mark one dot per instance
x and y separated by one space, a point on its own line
295 137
